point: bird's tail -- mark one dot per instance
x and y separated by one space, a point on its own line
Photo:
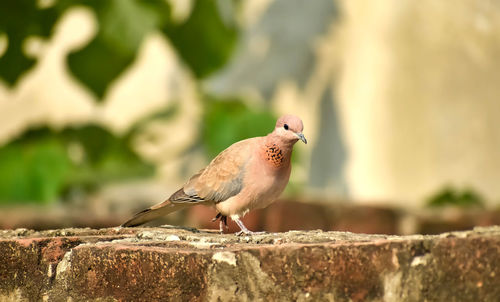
153 212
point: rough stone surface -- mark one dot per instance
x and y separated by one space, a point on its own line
172 264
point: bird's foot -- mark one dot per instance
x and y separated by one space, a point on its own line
244 230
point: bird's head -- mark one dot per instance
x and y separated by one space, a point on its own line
289 128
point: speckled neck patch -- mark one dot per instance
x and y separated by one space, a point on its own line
274 155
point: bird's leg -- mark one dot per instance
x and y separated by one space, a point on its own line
243 228
221 227
224 219
222 222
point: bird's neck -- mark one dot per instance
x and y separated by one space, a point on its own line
277 151
284 144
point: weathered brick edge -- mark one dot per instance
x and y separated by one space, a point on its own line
168 264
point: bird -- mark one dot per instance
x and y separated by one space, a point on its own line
249 174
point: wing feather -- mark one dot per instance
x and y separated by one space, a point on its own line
221 179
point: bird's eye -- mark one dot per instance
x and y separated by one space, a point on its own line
285 126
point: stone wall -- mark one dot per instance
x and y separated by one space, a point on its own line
169 264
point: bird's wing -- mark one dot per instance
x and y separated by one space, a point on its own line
221 179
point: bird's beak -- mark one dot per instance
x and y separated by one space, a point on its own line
301 137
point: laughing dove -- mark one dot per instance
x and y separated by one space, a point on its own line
250 174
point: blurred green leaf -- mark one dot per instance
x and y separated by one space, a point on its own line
229 120
204 41
18 20
42 164
33 169
162 114
106 157
453 197
122 26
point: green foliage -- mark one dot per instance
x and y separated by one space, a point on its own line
122 26
203 40
42 164
245 122
453 197
105 158
20 19
33 169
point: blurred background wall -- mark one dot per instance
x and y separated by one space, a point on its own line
418 95
124 99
